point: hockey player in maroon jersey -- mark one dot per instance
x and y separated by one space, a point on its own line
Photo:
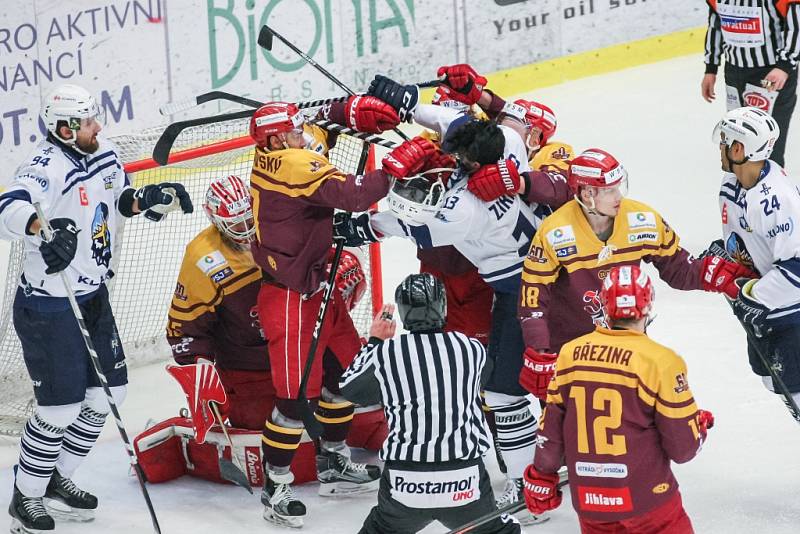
619 410
295 190
574 249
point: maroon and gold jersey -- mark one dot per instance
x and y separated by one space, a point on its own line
213 311
619 409
295 192
567 262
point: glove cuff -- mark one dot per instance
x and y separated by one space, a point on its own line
748 289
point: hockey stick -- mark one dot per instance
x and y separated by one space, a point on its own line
165 143
87 339
230 471
265 41
312 424
175 107
511 508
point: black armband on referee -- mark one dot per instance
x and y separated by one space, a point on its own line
125 202
374 341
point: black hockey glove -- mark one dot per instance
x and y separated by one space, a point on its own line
59 252
159 199
403 98
356 231
717 248
747 309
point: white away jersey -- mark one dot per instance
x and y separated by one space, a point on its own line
66 184
494 236
758 226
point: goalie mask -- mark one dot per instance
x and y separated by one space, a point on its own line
417 200
228 207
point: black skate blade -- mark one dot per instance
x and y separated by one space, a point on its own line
231 473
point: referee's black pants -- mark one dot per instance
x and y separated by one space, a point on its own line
738 77
391 516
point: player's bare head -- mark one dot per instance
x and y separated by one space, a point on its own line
475 143
72 115
598 181
278 125
627 296
421 303
745 135
227 205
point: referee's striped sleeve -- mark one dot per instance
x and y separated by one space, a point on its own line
713 44
790 53
364 363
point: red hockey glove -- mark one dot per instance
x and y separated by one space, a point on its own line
491 182
537 370
541 491
444 163
369 114
467 84
408 158
705 421
719 275
201 385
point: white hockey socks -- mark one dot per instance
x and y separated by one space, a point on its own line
39 449
79 438
516 431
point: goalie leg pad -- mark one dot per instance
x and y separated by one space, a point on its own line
162 449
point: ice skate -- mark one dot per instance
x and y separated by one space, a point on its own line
280 505
513 493
28 515
66 501
339 476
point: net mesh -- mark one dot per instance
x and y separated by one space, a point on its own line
147 257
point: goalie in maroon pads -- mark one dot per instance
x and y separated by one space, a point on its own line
619 410
295 191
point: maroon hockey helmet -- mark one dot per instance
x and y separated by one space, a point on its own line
627 293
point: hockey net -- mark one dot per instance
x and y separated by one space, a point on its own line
148 255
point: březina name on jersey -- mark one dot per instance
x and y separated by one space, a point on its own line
619 409
567 262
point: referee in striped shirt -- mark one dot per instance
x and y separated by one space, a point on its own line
761 44
428 382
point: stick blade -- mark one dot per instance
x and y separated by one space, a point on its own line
265 38
231 473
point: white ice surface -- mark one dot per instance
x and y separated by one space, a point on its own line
746 478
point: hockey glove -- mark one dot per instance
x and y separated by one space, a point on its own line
719 275
491 182
59 252
537 370
356 231
368 114
403 98
408 158
746 308
440 166
467 84
541 491
201 385
159 199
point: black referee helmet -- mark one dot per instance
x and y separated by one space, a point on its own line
421 302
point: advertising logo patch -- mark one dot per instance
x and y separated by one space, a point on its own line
641 219
211 262
591 469
594 499
566 251
563 235
435 489
642 236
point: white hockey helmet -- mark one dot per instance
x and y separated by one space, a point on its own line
72 104
756 130
416 200
228 207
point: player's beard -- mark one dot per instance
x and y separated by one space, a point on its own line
88 147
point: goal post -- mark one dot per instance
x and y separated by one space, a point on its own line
147 255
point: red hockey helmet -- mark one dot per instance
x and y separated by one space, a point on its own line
597 168
627 293
228 207
274 118
442 97
539 116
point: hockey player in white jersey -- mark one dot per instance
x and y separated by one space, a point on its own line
760 209
494 236
78 181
